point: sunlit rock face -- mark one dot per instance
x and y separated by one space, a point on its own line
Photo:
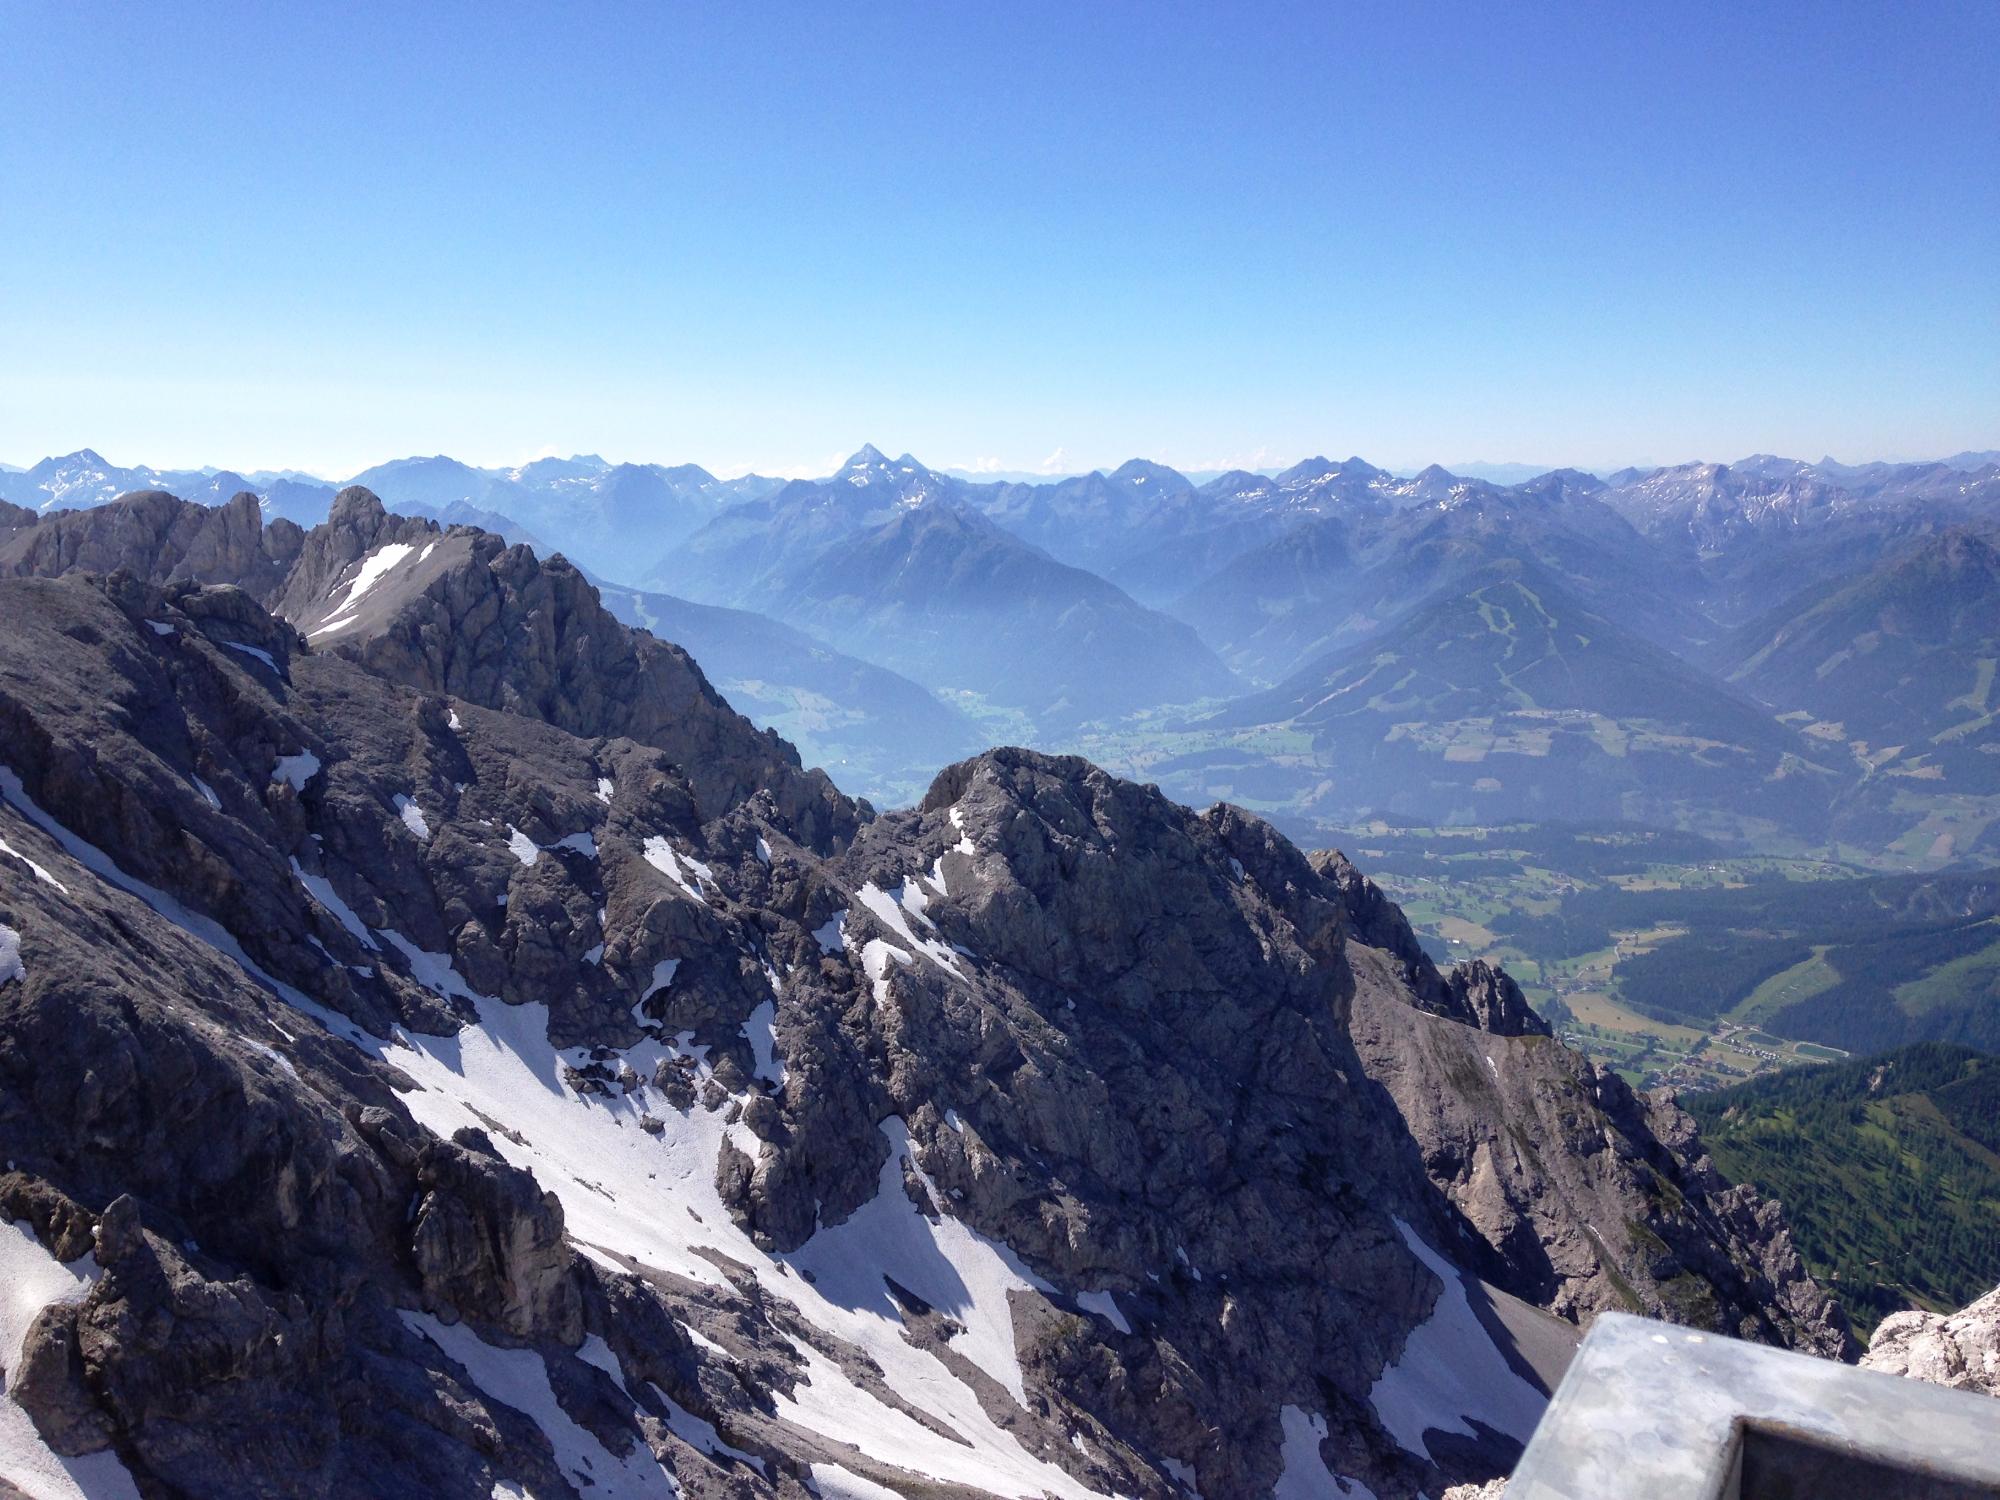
1960 1350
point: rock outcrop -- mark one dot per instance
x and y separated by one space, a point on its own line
1960 1350
463 613
154 535
452 611
1589 1196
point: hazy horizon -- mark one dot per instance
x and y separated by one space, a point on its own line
1467 468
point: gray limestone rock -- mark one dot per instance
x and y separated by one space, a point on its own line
1960 1350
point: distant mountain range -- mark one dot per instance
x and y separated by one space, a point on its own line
1767 647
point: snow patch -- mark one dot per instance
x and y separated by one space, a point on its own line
519 1378
30 1280
606 790
663 975
1306 1476
890 911
951 1266
876 957
578 843
836 1483
831 935
321 890
1450 1371
374 567
521 846
413 817
207 793
692 881
162 627
40 872
258 652
272 1053
10 957
296 770
759 1026
1106 1307
433 971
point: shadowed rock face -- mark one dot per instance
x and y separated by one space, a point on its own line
410 1057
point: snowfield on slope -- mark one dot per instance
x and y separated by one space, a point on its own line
1450 1373
31 1279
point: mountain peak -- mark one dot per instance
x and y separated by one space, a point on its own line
1308 469
1143 471
866 456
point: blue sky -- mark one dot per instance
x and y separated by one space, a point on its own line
1019 234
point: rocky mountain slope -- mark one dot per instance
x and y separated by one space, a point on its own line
423 1072
454 611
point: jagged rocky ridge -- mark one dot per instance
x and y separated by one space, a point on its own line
416 1074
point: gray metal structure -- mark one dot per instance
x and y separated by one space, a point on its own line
1654 1411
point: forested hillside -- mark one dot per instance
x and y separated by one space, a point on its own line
1888 1168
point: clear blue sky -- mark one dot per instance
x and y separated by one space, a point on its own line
265 235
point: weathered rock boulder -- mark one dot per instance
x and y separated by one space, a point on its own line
1960 1350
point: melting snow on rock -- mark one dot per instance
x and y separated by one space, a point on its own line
1450 1372
296 770
373 567
30 1280
413 817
